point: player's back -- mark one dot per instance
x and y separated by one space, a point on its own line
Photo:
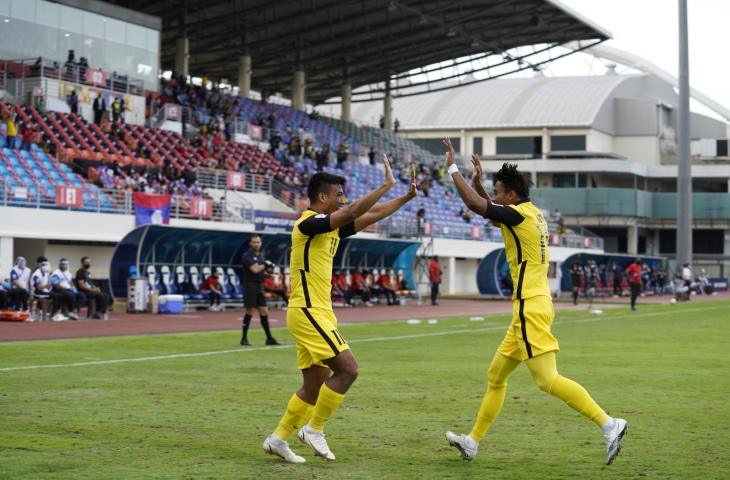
527 252
311 266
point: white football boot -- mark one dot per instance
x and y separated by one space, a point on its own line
275 446
464 443
613 432
315 439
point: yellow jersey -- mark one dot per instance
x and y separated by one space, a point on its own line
313 247
525 234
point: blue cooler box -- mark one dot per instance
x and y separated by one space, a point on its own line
171 304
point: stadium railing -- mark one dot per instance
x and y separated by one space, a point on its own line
99 200
27 68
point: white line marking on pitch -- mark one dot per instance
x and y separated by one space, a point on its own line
363 340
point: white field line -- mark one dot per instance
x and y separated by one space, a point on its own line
595 318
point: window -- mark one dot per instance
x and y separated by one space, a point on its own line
519 145
722 148
477 145
436 145
568 143
703 241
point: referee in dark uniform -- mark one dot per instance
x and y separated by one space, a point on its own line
255 267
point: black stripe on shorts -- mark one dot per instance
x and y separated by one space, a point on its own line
321 332
523 325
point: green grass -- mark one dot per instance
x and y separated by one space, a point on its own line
665 369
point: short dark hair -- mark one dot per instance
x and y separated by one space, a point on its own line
319 180
84 258
514 180
255 235
41 259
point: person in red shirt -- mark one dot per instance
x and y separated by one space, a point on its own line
387 287
27 136
434 277
633 275
212 285
360 288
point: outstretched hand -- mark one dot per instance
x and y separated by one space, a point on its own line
389 178
449 152
477 164
413 189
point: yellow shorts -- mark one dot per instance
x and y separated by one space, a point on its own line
316 335
529 333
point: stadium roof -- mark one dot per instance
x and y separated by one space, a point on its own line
366 40
504 103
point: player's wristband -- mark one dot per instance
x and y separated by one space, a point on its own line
453 168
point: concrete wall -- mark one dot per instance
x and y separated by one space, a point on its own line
638 149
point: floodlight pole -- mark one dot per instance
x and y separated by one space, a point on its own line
684 162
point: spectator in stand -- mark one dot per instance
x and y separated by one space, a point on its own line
99 107
343 151
27 135
434 278
633 275
618 277
387 287
381 122
11 129
91 291
213 286
420 219
322 157
359 287
396 125
425 186
116 110
466 215
73 102
20 285
123 110
68 298
41 282
371 156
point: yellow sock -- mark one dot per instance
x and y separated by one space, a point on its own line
297 412
327 403
544 371
500 369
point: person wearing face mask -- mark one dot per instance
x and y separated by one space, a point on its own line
69 299
3 294
40 282
20 284
92 292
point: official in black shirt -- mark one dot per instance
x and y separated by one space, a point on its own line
84 285
254 270
576 272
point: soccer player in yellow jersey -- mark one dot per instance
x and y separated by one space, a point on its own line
327 364
529 338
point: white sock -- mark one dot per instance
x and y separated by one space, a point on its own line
608 426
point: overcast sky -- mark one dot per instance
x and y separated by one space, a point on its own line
648 28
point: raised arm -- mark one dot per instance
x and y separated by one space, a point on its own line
357 208
476 177
382 210
473 200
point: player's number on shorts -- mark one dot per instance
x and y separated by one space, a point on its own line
338 337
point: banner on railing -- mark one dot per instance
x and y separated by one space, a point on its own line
586 242
173 112
201 207
255 132
69 197
427 228
95 77
235 180
554 239
20 193
153 209
476 232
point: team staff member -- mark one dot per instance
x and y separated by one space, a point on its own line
20 284
633 276
529 338
68 297
321 349
85 285
254 270
576 272
434 278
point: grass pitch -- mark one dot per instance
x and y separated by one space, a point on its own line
189 415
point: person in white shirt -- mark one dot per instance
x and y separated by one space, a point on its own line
687 279
20 284
69 299
40 282
3 294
